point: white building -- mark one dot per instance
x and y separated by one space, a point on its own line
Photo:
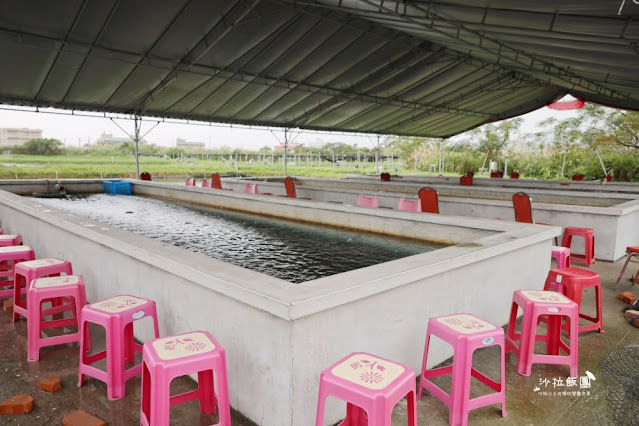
182 143
109 139
10 136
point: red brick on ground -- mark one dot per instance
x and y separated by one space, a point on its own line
82 418
19 404
51 384
627 297
8 305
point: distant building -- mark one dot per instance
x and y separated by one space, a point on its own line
109 139
288 148
181 143
9 136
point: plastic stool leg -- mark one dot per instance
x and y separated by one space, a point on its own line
424 359
628 257
223 393
355 416
129 348
206 391
411 408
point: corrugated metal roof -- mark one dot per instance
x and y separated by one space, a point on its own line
432 68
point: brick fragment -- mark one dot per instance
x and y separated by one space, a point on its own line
51 384
19 404
627 297
8 305
82 418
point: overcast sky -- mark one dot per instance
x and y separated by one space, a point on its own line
79 130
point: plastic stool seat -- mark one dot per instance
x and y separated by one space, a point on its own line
51 288
364 200
562 255
465 333
371 386
25 272
170 357
116 315
588 258
631 252
12 254
409 205
571 282
536 304
10 240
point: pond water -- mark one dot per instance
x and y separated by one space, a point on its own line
292 251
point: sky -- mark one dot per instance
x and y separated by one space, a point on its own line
77 130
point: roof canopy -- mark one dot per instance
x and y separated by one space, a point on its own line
425 68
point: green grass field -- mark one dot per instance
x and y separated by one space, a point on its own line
100 166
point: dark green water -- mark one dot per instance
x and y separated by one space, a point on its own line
288 250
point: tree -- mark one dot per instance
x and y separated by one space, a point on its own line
43 147
610 126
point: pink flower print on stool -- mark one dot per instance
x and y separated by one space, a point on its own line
183 345
545 296
118 304
466 323
42 262
56 281
368 371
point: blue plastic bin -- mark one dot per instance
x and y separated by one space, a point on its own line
117 187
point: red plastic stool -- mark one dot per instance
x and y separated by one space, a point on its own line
371 387
10 240
116 315
572 282
588 258
170 357
9 256
465 333
25 272
52 288
536 304
562 255
630 253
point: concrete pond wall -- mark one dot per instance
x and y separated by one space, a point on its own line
614 216
278 336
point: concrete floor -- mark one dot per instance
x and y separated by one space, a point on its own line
613 358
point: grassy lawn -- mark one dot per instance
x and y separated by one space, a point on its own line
100 166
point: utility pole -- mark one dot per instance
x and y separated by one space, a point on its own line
285 148
137 124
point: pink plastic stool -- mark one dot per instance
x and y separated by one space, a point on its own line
49 288
562 255
116 315
25 272
536 304
170 357
368 201
588 258
631 253
10 240
465 333
409 205
572 282
9 257
371 387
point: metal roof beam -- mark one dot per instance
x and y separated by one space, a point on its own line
149 50
309 54
59 52
217 33
566 75
105 24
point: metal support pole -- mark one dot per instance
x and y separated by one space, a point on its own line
137 124
601 162
285 149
